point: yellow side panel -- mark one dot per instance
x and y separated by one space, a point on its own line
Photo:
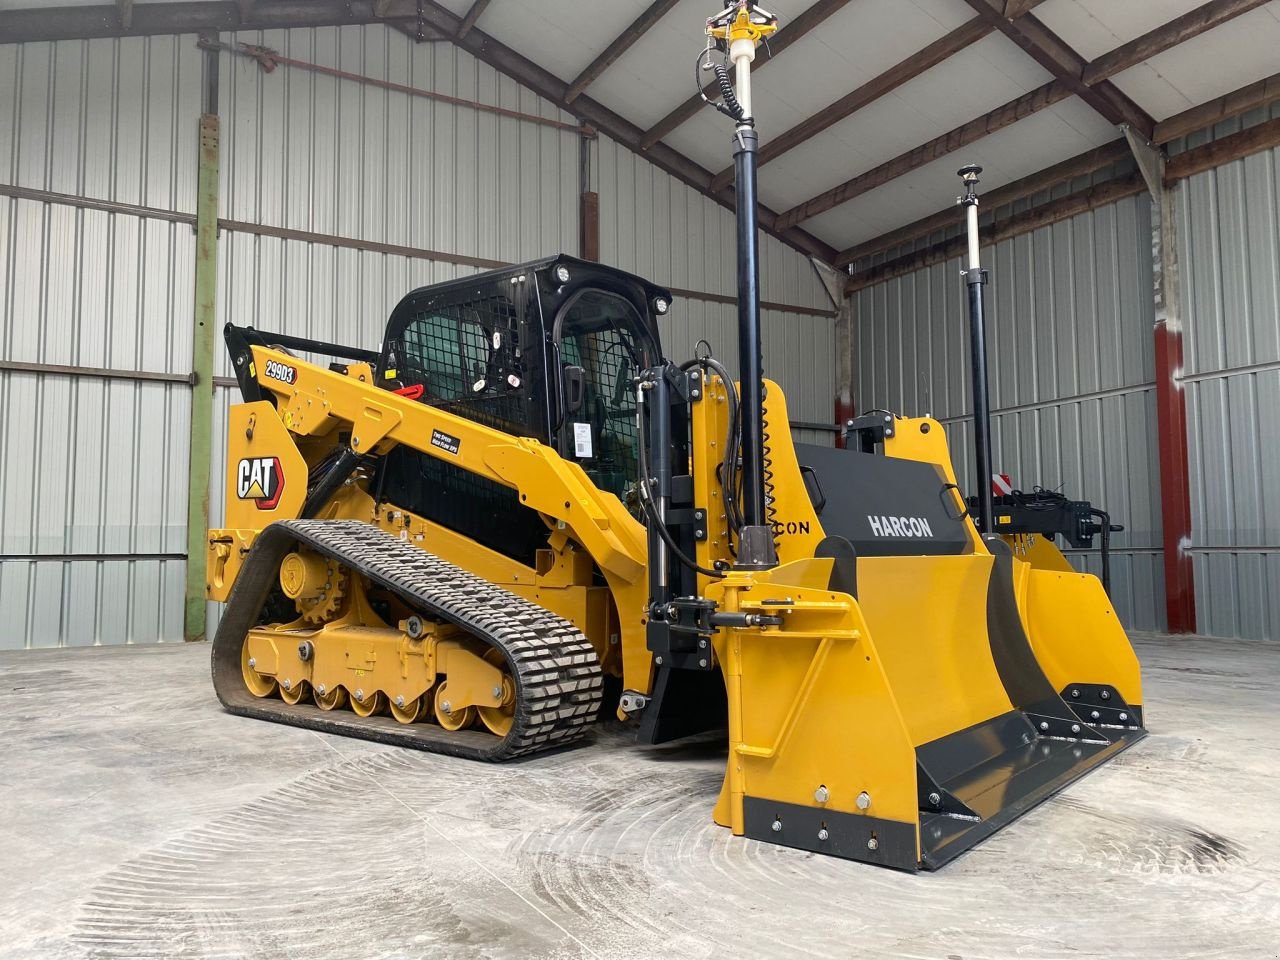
928 617
811 704
796 528
266 475
1038 551
847 734
1075 633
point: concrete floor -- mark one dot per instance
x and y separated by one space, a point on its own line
139 820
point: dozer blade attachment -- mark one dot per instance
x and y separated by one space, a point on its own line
903 726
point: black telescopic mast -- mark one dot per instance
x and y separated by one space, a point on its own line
740 28
976 278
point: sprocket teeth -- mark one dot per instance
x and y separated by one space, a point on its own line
320 609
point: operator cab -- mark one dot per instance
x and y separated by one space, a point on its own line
547 350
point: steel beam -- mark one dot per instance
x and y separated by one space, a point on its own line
437 21
1044 215
86 557
637 29
588 205
1252 140
96 373
1166 36
269 59
1260 94
200 16
1171 404
1249 97
1080 165
869 92
1262 136
417 32
809 20
833 282
472 15
304 236
1011 112
547 85
201 451
1051 52
1013 9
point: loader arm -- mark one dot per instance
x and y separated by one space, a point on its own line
321 402
329 410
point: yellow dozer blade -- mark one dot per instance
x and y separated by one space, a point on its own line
897 709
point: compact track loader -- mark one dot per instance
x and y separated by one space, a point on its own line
518 515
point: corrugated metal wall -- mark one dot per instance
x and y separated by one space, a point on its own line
93 476
1229 236
1070 318
305 151
92 470
658 227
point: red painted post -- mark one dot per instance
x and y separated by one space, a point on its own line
1175 482
844 413
1171 401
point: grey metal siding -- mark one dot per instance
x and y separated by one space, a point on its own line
92 471
112 119
329 155
1070 318
1229 234
93 474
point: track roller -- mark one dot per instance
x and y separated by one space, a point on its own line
530 678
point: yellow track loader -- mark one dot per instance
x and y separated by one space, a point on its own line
517 516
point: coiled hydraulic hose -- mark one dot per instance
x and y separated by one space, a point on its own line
730 107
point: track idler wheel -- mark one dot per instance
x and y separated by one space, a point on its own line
367 704
498 719
447 715
330 699
256 683
407 711
293 692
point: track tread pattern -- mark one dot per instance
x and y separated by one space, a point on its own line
559 685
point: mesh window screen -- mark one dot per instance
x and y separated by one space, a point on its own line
467 357
602 334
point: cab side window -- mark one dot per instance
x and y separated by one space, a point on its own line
602 336
467 359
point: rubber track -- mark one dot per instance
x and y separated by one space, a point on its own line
557 675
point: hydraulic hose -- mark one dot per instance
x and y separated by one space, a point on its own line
656 522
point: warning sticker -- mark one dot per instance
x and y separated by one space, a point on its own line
445 442
582 440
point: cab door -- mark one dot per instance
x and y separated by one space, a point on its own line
602 344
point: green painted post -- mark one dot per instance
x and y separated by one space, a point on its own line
200 460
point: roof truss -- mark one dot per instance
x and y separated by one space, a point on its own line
784 38
621 44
